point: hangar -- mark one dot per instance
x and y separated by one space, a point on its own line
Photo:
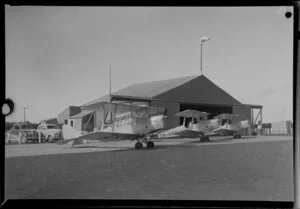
179 94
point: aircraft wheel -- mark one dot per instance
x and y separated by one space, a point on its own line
207 138
239 136
150 144
138 145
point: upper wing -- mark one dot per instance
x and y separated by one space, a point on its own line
191 113
226 116
118 108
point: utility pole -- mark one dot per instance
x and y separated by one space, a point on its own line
24 109
110 82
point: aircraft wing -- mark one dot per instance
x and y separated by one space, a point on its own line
101 136
191 113
189 133
118 108
226 116
221 131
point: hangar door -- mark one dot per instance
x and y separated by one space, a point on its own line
213 110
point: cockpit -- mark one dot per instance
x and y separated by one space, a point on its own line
225 121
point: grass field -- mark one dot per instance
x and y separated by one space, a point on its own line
236 171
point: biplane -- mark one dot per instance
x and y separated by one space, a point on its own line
120 122
195 124
229 126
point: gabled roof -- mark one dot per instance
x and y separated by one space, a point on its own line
199 90
145 90
153 88
191 89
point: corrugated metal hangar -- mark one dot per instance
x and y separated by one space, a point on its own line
179 94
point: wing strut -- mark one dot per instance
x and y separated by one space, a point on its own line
88 121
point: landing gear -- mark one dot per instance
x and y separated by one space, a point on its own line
204 139
150 144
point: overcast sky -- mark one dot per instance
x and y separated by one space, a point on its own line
60 56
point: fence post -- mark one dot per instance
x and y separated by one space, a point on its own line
39 136
19 137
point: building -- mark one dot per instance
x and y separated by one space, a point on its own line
179 94
50 121
83 121
66 114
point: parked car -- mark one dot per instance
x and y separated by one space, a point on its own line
22 133
49 132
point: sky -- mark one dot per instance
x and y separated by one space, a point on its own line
60 56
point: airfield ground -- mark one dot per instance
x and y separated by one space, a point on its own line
251 168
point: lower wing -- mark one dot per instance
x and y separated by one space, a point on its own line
221 131
101 136
175 133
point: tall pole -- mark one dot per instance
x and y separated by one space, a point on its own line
110 82
202 40
24 109
201 57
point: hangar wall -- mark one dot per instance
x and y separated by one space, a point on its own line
172 109
213 110
244 113
198 90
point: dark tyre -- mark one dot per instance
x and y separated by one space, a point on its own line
150 144
202 139
138 145
207 139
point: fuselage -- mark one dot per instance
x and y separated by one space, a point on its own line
190 129
133 125
228 127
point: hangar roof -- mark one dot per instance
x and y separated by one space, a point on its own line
195 89
152 89
145 90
